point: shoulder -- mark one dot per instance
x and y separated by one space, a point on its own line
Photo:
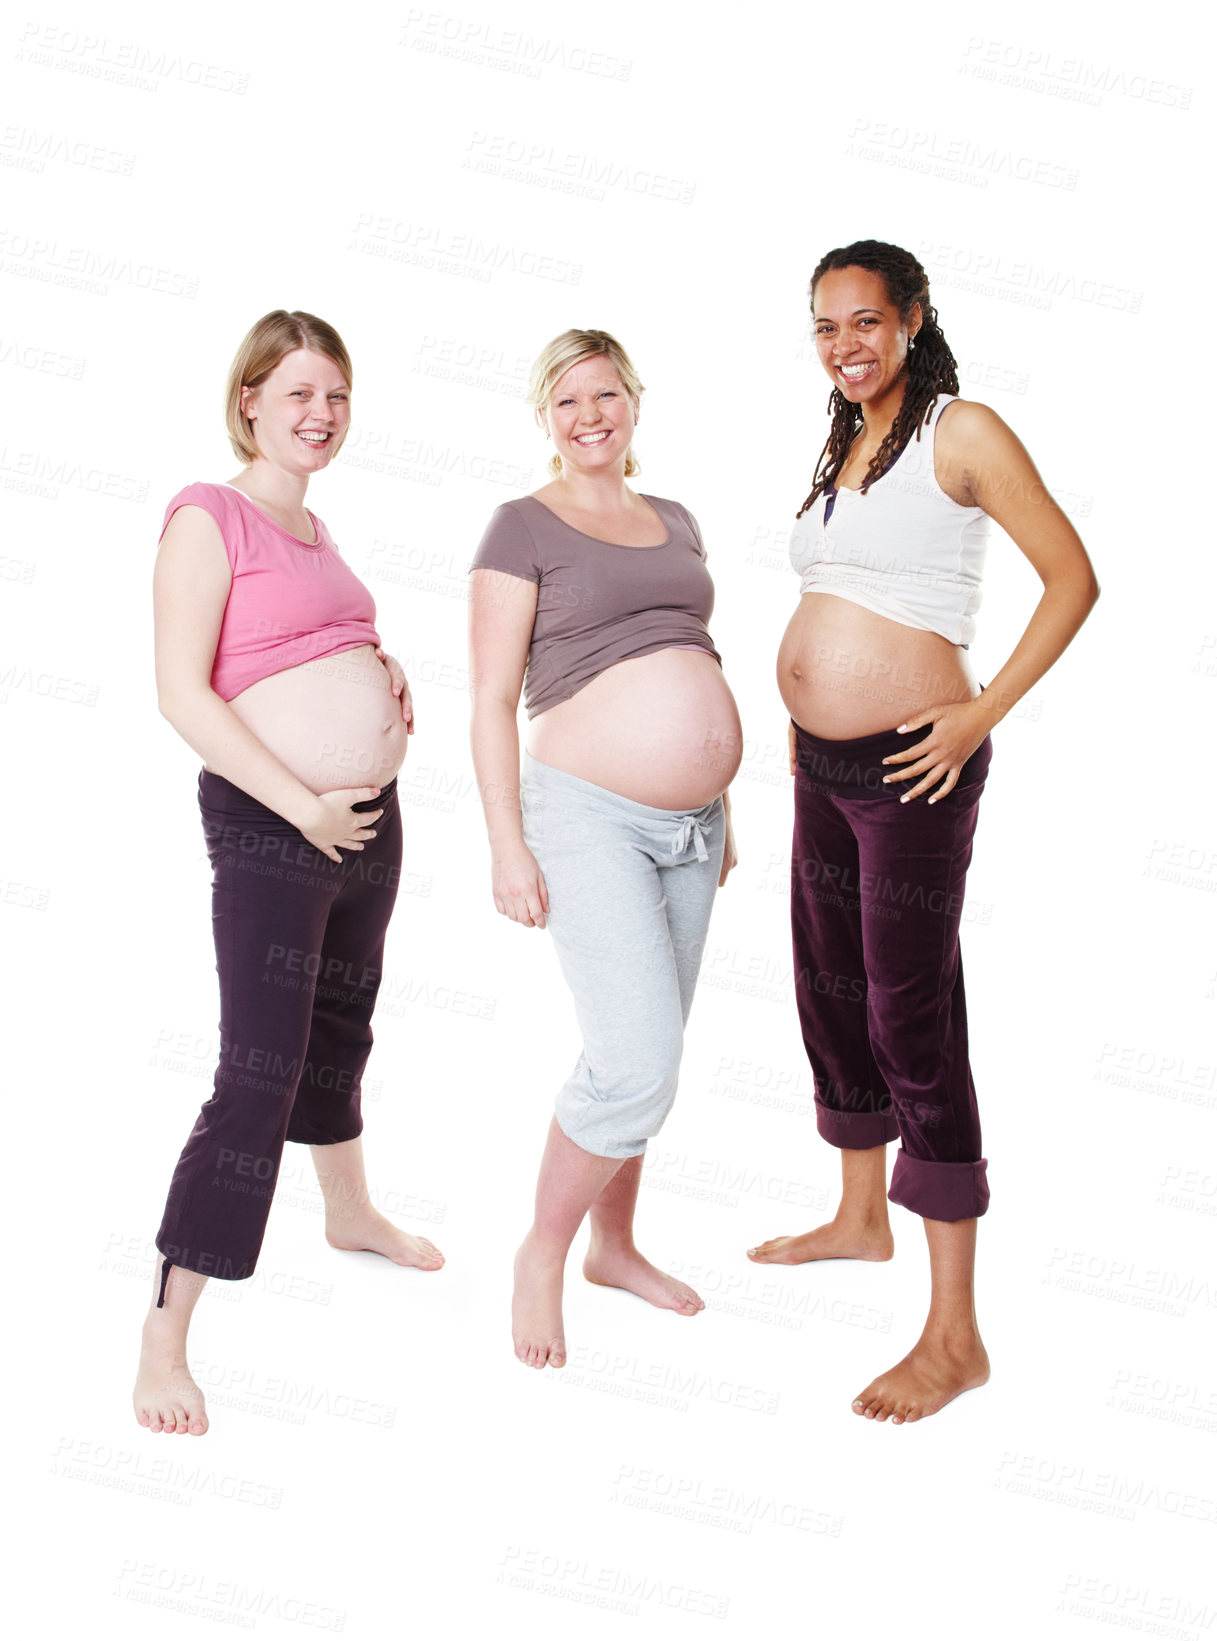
217 499
973 437
678 518
508 542
516 517
965 425
211 510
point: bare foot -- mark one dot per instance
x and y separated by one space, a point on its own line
370 1232
536 1307
166 1397
618 1267
933 1373
832 1241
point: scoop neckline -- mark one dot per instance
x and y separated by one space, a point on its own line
625 546
313 546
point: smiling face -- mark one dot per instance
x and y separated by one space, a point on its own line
591 416
300 413
860 337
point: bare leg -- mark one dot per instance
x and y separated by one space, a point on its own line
949 1358
166 1397
612 1259
860 1228
569 1182
351 1222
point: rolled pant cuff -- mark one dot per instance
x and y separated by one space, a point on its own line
940 1190
856 1130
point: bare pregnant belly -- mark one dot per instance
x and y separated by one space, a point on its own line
845 671
662 729
334 722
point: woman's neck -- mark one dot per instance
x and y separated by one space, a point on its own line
273 488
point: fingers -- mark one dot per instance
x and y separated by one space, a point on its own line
918 751
947 786
923 763
517 908
935 775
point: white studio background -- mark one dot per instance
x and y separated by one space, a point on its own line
451 188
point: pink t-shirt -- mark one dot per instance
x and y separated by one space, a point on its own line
291 601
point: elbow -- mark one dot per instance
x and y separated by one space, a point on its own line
174 703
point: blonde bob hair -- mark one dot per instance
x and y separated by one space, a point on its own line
273 337
572 348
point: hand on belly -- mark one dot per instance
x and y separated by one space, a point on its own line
334 722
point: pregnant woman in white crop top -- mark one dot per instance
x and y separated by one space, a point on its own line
890 549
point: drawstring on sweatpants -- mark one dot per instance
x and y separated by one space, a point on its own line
164 1278
688 831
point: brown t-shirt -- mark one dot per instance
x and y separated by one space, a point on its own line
599 602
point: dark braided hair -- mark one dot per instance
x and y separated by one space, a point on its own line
930 368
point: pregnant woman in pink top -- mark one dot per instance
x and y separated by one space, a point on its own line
269 665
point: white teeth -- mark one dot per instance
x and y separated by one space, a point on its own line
590 438
854 371
313 438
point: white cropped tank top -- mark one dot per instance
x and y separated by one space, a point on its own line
904 550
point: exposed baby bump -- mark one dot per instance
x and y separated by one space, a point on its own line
334 722
844 670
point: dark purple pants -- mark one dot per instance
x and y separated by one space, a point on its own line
877 891
299 948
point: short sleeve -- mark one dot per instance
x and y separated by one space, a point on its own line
695 531
508 545
211 498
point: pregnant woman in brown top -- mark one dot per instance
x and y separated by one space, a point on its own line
616 834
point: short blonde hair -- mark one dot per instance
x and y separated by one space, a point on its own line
572 348
273 337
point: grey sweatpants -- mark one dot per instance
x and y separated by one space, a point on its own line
630 894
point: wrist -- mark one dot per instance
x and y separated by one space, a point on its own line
991 706
304 812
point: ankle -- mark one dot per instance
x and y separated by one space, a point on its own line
164 1337
952 1331
543 1250
866 1218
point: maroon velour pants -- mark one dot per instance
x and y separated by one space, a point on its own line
299 944
877 894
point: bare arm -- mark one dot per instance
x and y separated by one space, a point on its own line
190 588
989 464
1003 481
502 609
